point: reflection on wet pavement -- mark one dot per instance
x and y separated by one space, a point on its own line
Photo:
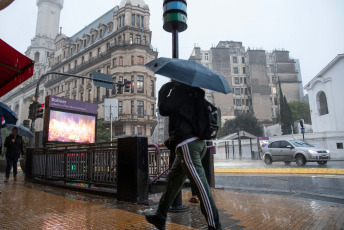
25 205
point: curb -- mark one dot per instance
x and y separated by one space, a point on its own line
281 170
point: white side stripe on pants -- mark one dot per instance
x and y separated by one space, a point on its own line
203 193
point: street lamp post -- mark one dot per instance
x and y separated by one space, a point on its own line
239 142
175 21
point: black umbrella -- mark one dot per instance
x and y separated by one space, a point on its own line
9 116
190 73
22 130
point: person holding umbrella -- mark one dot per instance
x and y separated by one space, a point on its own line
176 99
14 145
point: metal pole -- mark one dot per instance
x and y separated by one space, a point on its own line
111 123
175 43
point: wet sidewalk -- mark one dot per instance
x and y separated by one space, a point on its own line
27 205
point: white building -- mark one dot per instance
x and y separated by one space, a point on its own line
324 91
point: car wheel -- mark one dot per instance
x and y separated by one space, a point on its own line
300 160
267 160
322 162
287 162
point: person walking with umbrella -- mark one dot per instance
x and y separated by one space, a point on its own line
14 145
177 101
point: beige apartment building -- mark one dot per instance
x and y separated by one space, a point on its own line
118 43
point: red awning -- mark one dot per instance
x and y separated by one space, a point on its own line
15 68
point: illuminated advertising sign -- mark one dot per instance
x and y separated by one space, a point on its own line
69 121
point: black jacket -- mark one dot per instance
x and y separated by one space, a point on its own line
14 149
178 103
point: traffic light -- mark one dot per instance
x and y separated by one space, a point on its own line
39 110
119 87
127 84
31 111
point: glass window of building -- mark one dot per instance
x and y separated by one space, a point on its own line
132 60
236 80
114 87
206 56
131 39
81 96
142 21
238 102
114 63
235 59
133 19
245 80
274 90
139 107
152 109
120 61
246 91
138 20
237 91
98 93
141 130
89 96
247 102
138 39
144 40
120 107
244 70
152 88
140 60
132 108
236 71
132 84
243 59
140 85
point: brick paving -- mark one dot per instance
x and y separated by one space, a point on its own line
26 205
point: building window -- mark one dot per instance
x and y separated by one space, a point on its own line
120 80
244 70
69 66
82 59
139 107
236 71
322 103
85 43
108 45
152 88
138 20
133 19
131 39
119 130
245 80
132 84
132 60
121 61
123 21
100 34
274 90
138 39
236 80
99 51
98 93
275 101
142 21
237 91
206 56
90 55
144 40
120 107
243 59
81 96
140 60
247 102
243 101
92 38
132 107
75 63
340 145
75 83
140 86
152 109
246 91
77 47
238 102
235 59
114 63
107 93
141 130
74 96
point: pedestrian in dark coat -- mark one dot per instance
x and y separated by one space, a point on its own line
177 101
14 145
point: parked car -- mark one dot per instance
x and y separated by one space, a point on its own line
294 151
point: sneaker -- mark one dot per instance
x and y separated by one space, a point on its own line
158 222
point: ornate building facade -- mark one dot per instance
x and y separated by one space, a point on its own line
118 43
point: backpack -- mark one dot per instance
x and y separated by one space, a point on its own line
206 117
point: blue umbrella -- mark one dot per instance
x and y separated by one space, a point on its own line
22 130
9 116
190 73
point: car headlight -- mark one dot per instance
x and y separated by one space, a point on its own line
312 151
327 151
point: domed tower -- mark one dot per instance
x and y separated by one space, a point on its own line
47 27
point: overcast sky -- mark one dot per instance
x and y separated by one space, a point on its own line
312 30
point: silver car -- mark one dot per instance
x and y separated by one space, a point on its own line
294 150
